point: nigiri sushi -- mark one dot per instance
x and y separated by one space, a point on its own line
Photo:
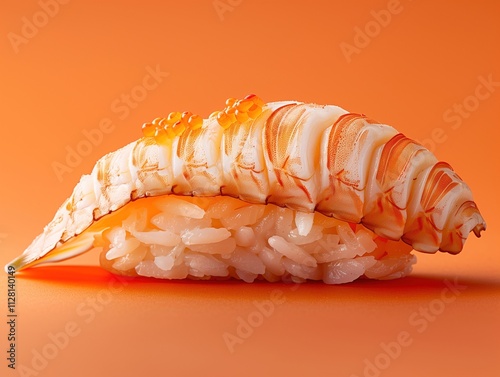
280 191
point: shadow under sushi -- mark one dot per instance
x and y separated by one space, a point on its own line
415 286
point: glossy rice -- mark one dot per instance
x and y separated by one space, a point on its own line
177 237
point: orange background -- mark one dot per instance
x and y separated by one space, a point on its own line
409 73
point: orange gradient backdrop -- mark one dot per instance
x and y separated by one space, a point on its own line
86 70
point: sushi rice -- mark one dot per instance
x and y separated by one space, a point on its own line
178 237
